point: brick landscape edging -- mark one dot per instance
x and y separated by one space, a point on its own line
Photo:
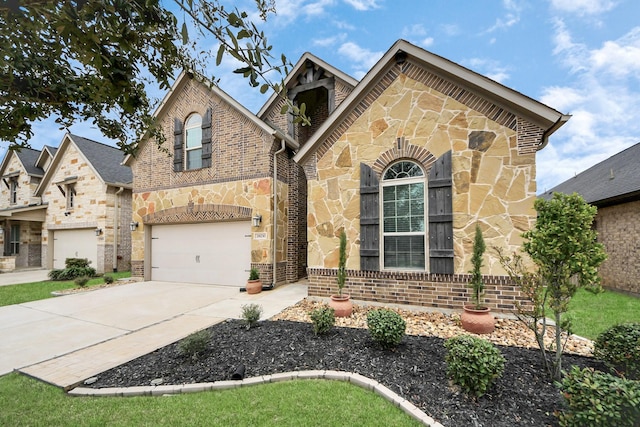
355 379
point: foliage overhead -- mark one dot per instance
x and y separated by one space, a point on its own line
93 60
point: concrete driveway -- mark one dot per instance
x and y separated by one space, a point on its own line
67 339
24 276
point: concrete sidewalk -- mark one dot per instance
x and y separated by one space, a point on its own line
24 276
65 340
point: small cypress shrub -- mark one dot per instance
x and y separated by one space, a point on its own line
195 344
386 327
598 399
251 314
323 320
108 279
473 363
619 348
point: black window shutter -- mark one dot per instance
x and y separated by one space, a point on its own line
178 146
441 216
369 219
206 139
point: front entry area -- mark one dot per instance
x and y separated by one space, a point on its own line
207 253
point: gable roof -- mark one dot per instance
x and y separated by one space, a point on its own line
47 153
182 80
104 160
614 180
528 108
27 157
290 79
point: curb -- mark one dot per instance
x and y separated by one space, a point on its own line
355 379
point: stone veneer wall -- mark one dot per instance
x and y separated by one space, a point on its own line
618 229
422 289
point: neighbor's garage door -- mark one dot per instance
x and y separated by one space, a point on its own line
76 243
210 253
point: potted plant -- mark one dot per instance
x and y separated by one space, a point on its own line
254 285
476 317
340 302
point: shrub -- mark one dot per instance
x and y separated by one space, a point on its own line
74 267
194 344
81 281
619 348
108 279
386 327
599 399
473 363
323 320
251 314
254 274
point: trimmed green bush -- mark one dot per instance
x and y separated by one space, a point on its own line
323 320
194 344
598 399
81 281
251 314
108 279
619 348
74 267
386 327
473 363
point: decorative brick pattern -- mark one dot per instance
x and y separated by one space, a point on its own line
529 137
404 150
415 288
198 213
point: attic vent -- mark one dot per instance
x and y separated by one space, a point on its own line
400 57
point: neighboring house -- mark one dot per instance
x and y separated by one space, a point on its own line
21 212
66 202
407 161
613 186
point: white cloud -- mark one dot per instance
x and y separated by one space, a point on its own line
363 4
363 59
288 11
490 68
604 99
584 7
417 34
511 18
329 41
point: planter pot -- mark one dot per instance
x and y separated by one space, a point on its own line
254 286
342 305
477 321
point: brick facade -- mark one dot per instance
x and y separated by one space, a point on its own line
618 229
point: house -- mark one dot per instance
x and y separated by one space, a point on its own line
613 186
73 201
406 161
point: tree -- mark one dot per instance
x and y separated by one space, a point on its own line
93 60
566 254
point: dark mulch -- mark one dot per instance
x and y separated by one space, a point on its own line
415 370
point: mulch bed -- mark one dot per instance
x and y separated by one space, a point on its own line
415 370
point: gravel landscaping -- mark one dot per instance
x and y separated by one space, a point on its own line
415 370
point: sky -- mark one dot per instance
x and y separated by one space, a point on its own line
581 57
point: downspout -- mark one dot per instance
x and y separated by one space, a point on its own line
116 218
275 210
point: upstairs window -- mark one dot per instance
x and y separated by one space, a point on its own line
70 192
13 191
193 141
404 217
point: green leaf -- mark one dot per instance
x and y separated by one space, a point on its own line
185 33
264 88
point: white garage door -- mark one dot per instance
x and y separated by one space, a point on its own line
209 253
76 243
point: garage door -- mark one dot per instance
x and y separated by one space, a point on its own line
76 243
209 253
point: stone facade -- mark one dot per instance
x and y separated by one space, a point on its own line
93 208
618 230
414 114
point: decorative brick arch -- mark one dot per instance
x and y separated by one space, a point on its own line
404 150
198 213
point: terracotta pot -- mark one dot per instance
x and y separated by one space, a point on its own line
478 321
342 305
254 286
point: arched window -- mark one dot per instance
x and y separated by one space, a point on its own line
403 217
193 141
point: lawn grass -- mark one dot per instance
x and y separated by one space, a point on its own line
593 314
17 294
25 401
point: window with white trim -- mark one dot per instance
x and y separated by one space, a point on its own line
404 230
193 141
13 191
70 195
